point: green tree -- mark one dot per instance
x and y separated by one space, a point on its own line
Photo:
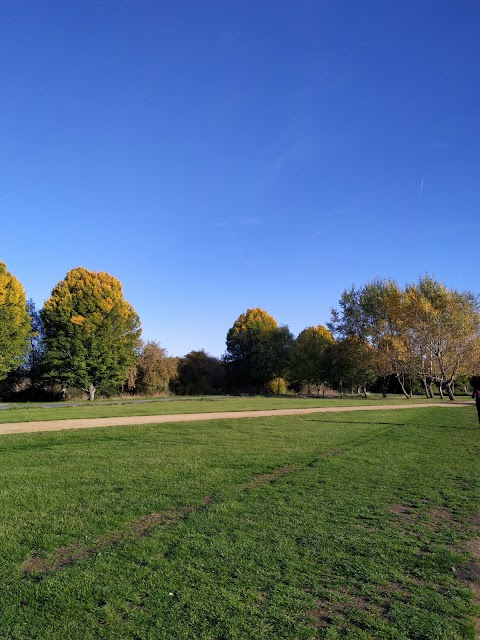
36 340
15 325
270 355
307 361
257 350
244 358
199 374
350 364
91 334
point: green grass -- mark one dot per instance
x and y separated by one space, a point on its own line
357 540
32 412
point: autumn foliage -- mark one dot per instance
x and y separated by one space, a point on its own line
90 332
381 336
424 331
15 326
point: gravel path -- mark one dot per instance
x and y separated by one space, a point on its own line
88 423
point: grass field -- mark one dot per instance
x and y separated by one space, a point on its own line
32 412
356 525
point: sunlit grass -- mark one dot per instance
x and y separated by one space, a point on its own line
355 539
32 412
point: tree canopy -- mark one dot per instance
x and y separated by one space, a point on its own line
91 333
15 325
444 331
243 341
307 363
257 350
199 373
246 331
424 331
351 364
381 335
154 369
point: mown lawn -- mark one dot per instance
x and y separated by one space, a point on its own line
321 526
32 412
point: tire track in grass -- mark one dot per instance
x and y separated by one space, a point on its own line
65 556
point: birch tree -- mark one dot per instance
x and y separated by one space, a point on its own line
444 331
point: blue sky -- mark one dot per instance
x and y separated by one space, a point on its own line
217 156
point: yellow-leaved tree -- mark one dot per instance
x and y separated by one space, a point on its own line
425 331
444 330
91 334
15 325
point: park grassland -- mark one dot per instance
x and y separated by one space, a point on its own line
355 525
30 412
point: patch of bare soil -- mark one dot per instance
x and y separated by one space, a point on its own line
323 614
438 515
333 452
407 513
469 570
61 557
473 547
268 478
469 573
435 518
397 588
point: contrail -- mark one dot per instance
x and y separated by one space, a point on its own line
421 188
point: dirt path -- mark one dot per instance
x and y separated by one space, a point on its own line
88 423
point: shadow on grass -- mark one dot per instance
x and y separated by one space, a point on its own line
449 427
388 424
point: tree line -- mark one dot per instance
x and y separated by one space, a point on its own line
87 339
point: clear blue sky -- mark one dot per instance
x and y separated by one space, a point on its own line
217 156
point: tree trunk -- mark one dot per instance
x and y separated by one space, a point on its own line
385 381
402 386
449 387
91 393
440 389
427 393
